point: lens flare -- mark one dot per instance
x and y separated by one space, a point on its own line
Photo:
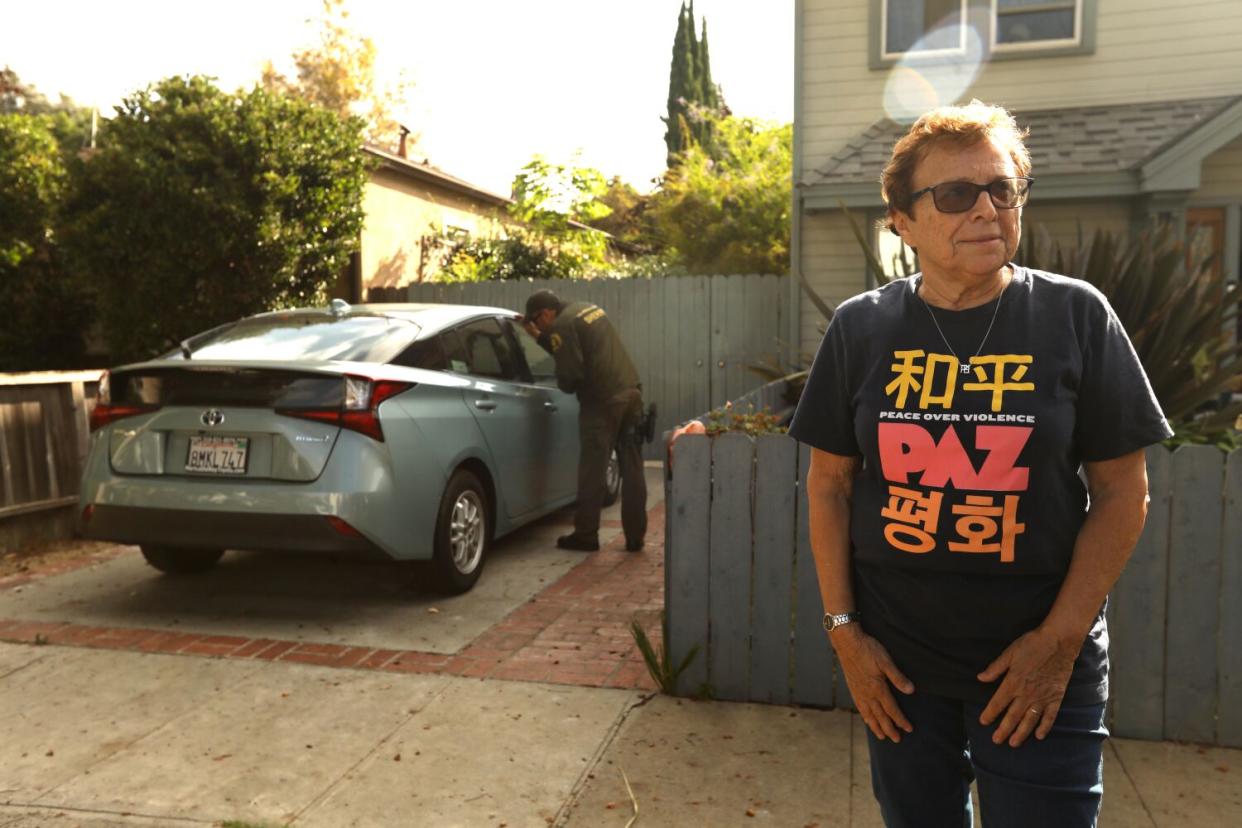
929 75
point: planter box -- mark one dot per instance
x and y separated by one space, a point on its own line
740 583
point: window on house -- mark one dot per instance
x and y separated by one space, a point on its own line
1019 23
932 31
923 26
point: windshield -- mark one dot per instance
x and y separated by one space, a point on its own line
309 337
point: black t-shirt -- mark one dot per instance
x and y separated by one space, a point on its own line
968 500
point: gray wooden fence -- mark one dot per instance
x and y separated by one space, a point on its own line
692 338
740 583
43 441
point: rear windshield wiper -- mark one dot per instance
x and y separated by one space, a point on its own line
185 348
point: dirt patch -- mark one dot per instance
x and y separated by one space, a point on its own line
53 557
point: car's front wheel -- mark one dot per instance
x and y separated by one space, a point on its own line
177 561
462 535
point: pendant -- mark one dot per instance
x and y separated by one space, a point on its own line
966 366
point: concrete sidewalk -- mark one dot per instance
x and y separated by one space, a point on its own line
324 694
103 738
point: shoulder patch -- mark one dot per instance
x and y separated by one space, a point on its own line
555 342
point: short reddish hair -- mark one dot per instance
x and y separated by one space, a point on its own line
961 125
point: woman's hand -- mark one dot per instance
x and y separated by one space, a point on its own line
1037 669
868 672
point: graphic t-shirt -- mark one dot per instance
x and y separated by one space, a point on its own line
968 500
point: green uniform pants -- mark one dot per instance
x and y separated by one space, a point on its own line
602 427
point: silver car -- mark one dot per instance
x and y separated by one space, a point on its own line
411 432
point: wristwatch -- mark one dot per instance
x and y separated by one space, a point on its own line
831 622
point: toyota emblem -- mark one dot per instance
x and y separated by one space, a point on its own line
212 417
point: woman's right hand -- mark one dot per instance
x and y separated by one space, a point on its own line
869 670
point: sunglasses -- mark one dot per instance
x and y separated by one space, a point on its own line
960 196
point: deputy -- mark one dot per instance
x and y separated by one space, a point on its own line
592 363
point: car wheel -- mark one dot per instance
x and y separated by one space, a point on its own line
612 479
463 535
177 561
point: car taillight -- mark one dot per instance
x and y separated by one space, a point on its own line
360 412
343 527
105 412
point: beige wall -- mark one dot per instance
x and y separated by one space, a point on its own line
399 213
1146 50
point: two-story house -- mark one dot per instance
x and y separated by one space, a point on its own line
1134 109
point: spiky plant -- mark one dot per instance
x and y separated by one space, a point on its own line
659 664
1181 315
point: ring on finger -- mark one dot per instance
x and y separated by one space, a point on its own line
1034 711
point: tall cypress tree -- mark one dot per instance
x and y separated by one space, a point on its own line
678 85
689 83
707 89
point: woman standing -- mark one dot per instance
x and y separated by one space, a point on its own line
963 574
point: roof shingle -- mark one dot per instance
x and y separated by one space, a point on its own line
1062 141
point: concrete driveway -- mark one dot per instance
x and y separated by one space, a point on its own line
317 599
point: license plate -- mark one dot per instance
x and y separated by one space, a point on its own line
217 455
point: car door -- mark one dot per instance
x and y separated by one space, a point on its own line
510 412
562 410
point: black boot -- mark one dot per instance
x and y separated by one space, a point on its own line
577 543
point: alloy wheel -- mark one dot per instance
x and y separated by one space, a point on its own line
467 531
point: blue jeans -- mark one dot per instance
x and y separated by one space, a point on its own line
925 779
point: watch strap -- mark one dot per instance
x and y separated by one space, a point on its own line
831 622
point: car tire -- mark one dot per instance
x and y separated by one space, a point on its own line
463 535
176 561
612 479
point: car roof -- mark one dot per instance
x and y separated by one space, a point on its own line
430 317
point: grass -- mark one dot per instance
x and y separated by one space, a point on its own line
659 665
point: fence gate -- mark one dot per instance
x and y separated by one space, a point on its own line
692 338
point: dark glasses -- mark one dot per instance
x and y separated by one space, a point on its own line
960 196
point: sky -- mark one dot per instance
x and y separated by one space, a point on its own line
495 81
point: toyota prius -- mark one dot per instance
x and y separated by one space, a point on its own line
408 432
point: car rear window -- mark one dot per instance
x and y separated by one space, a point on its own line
311 337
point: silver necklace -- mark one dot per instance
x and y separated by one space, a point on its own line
968 364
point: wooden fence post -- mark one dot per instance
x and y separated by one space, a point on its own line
686 558
813 657
1229 723
729 582
1191 683
776 478
1137 616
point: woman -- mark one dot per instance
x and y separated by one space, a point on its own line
963 576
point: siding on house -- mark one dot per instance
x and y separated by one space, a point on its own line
1222 171
1146 50
835 267
1064 219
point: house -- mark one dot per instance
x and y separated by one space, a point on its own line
414 211
1134 109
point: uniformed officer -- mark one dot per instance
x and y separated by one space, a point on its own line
592 362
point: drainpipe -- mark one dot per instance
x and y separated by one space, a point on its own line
794 327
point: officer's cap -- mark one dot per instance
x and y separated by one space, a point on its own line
542 300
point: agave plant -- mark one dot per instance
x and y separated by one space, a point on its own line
1181 316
